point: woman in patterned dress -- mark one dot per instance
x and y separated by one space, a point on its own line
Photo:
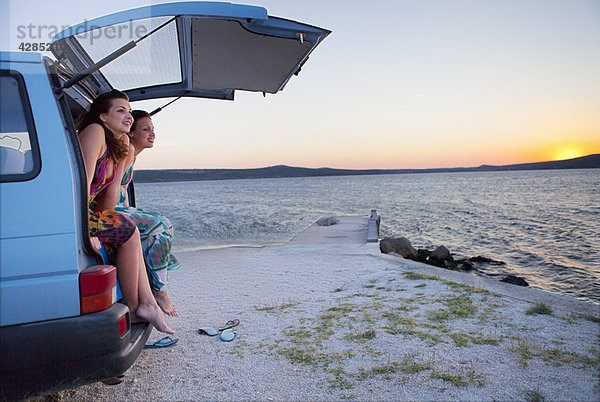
105 146
156 231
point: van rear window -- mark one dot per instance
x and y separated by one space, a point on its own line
19 156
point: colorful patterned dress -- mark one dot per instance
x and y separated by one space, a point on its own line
156 233
111 227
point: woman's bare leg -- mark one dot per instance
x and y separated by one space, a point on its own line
148 308
131 272
165 303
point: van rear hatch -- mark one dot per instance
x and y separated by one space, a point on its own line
197 49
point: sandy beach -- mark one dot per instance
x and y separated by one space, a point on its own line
326 316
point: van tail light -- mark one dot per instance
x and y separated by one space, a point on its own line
97 288
123 324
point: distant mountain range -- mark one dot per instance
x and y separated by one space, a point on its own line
143 176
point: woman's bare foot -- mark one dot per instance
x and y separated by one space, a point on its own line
152 314
165 303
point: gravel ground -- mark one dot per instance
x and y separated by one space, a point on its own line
327 317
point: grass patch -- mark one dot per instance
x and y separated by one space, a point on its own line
534 395
475 378
361 336
369 351
330 315
456 307
460 380
525 349
460 339
396 319
440 315
487 315
465 288
398 324
335 313
295 354
300 336
409 366
279 307
385 370
558 356
339 380
570 318
415 276
539 308
343 308
461 307
455 379
422 285
596 353
407 327
428 337
485 340
592 318
464 339
340 356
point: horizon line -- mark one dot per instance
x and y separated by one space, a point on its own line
379 169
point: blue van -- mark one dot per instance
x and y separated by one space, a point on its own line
61 325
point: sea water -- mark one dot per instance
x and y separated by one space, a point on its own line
544 224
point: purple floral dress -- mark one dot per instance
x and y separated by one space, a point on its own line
111 227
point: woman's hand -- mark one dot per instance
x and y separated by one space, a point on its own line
96 243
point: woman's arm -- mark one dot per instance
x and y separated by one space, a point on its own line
110 195
130 162
91 140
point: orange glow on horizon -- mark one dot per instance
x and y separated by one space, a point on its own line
568 153
564 150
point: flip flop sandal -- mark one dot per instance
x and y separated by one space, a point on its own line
229 324
227 335
210 331
162 343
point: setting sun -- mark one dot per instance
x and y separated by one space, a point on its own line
565 150
568 153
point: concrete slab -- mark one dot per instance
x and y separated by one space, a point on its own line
348 231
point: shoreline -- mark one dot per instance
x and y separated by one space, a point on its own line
327 316
474 272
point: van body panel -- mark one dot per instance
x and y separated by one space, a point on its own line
37 217
60 291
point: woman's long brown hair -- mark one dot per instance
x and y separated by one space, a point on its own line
116 148
138 114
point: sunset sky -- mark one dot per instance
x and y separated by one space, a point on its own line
398 84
